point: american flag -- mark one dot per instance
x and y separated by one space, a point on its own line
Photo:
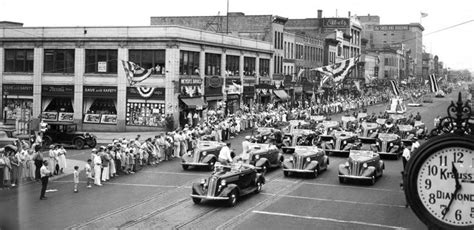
135 73
395 89
433 84
340 70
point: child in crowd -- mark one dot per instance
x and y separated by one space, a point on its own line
88 169
76 178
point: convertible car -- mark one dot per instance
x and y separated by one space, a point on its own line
205 155
228 183
361 165
265 156
407 133
306 160
368 131
262 134
349 123
389 144
304 137
340 143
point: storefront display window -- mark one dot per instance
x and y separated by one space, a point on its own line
59 61
146 114
101 61
188 63
213 64
249 66
19 60
148 59
57 102
18 109
232 65
100 104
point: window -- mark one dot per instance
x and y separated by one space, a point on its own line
59 61
213 64
264 67
188 63
19 60
232 65
101 61
149 59
249 66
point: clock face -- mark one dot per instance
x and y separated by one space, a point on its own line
445 185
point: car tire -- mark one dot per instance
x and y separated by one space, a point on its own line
185 167
211 165
259 187
342 180
372 180
196 200
316 171
94 143
286 173
264 169
232 198
79 143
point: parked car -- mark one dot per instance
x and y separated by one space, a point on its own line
205 155
228 183
6 140
389 144
67 134
361 165
306 160
265 156
304 137
340 143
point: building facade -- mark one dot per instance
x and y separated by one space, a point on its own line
76 74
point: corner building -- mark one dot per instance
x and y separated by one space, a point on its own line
75 74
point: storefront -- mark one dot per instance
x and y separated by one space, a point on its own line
145 107
213 92
249 95
233 90
264 93
18 102
57 103
191 101
100 105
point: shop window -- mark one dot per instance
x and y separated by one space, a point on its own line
19 60
18 109
232 65
249 66
149 59
58 104
213 64
101 61
188 63
264 67
146 114
59 61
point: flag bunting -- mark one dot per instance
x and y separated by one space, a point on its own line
433 83
340 70
395 88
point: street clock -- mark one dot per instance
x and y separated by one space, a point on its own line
439 178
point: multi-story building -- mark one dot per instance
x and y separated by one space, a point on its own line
411 35
76 74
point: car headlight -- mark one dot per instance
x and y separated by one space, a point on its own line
204 153
257 156
377 144
203 181
308 159
364 165
391 144
223 182
344 142
291 158
347 164
370 131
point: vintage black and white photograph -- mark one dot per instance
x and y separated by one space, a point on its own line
226 114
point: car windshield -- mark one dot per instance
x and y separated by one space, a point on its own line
361 154
387 137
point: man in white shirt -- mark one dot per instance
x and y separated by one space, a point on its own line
225 156
415 145
97 167
45 174
405 156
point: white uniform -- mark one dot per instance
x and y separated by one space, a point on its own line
97 168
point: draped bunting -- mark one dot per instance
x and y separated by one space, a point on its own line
395 89
145 92
136 74
340 70
433 84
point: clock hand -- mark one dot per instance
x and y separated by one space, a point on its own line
458 186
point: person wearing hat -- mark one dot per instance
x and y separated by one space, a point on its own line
45 174
225 156
97 161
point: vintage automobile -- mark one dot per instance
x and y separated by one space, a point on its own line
228 183
295 124
341 143
368 131
327 128
389 144
205 155
304 137
318 118
6 140
362 117
381 121
67 134
407 133
349 123
306 160
265 156
262 134
361 165
398 118
420 129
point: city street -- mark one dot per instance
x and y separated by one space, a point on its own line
158 198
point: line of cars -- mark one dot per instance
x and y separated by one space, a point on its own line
309 152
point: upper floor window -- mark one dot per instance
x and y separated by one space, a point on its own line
213 64
232 65
19 60
101 61
149 59
249 66
264 67
59 61
188 62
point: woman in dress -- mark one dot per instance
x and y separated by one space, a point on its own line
15 167
29 170
62 159
53 155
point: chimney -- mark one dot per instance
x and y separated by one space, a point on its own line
349 14
320 13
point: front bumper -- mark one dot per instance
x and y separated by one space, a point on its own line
298 170
209 197
194 164
388 153
355 177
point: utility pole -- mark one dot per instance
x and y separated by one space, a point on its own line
227 27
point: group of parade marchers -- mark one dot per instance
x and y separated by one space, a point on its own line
309 143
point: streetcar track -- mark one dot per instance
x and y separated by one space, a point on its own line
211 211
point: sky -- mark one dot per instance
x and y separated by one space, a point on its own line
453 46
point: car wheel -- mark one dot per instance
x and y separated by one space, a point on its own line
185 167
342 180
211 165
79 143
372 180
286 173
259 187
47 141
316 171
232 198
264 169
93 144
197 200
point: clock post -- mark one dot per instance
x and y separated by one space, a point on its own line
439 177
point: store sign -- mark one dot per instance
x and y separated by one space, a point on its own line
391 27
157 94
213 86
335 22
190 87
100 91
20 89
57 90
214 82
102 67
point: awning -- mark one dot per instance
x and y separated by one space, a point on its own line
281 94
194 103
